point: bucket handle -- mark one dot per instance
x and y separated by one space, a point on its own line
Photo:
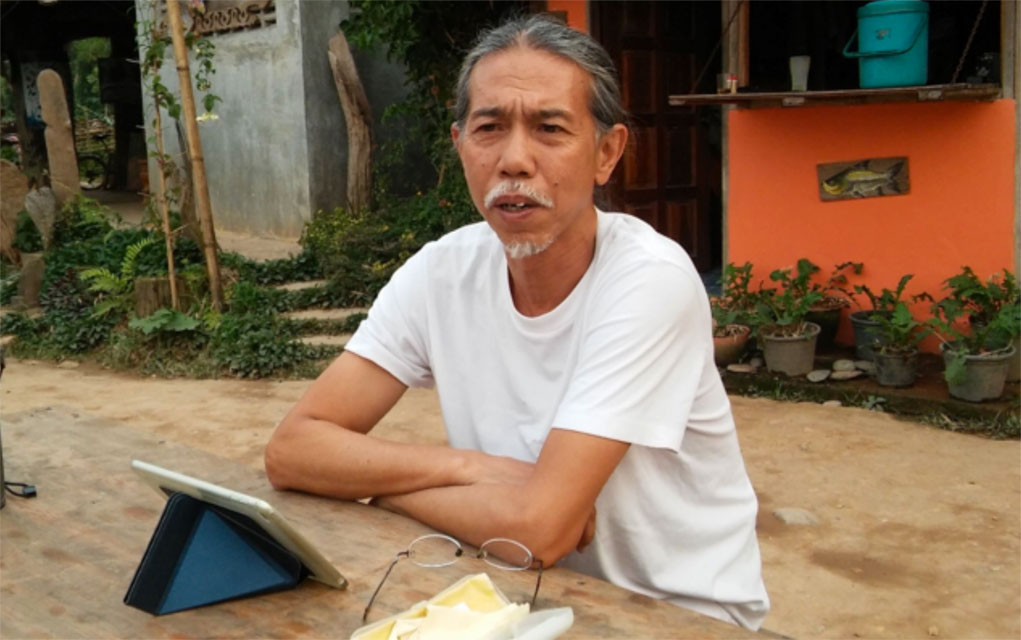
859 54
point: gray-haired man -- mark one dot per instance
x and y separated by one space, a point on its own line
571 350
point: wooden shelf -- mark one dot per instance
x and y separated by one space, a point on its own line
923 93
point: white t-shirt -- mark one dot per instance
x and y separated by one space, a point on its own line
628 355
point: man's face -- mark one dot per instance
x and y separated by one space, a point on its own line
530 150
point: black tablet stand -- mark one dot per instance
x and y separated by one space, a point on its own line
201 554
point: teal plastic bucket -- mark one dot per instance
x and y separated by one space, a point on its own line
893 44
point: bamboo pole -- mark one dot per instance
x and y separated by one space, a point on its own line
198 166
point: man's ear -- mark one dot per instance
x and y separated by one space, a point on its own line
455 133
609 149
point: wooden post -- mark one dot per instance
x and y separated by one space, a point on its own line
358 117
198 166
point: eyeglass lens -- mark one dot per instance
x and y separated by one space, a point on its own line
506 554
435 550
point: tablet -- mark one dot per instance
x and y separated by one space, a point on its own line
168 482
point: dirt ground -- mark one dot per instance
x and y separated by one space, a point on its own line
918 532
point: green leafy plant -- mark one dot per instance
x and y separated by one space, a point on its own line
899 331
116 289
781 311
834 290
886 300
164 320
976 317
68 324
735 289
26 235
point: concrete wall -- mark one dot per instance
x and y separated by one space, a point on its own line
278 151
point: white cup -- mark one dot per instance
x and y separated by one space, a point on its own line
799 72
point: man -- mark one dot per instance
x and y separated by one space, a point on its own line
571 350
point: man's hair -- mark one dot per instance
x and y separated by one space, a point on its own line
544 33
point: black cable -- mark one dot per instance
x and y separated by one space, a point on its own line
26 491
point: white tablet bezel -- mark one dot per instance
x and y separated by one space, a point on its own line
263 513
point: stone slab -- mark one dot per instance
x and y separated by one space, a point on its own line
60 149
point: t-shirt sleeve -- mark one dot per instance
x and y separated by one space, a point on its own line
641 360
395 333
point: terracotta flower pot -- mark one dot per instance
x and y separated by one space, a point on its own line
727 349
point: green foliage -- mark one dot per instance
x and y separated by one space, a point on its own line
26 235
6 102
900 331
116 290
164 320
886 300
8 283
83 57
735 288
975 317
428 39
68 323
361 250
82 218
252 341
835 286
782 311
300 268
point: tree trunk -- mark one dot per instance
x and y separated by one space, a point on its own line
359 122
153 294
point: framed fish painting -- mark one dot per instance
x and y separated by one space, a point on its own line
863 178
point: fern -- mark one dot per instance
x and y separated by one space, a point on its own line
115 289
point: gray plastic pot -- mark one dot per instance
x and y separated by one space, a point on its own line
794 356
866 333
985 375
896 369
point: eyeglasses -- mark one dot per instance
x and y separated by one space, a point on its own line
439 550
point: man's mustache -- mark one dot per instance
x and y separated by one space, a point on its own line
517 188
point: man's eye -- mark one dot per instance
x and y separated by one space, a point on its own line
550 128
486 127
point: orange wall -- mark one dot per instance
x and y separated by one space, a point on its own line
577 12
959 210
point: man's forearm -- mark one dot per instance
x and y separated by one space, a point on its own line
478 512
322 458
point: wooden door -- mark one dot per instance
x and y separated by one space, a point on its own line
667 173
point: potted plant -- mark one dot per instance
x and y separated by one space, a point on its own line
835 298
895 353
983 302
730 335
866 334
788 339
978 322
731 312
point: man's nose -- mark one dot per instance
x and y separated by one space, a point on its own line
517 158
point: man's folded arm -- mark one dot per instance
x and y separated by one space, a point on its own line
322 446
549 512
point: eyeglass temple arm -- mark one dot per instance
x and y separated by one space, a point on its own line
538 581
365 614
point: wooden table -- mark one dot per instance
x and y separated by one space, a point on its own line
68 555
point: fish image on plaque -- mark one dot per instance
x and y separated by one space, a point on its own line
863 178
